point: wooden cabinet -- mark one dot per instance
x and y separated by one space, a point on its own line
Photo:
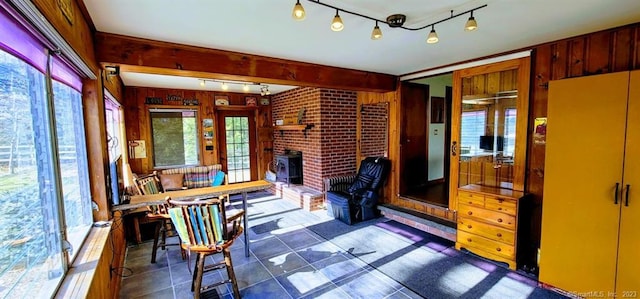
488 154
590 217
489 126
488 222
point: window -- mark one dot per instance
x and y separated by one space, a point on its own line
44 182
175 137
73 168
473 126
113 113
509 131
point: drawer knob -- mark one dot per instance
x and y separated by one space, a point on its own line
498 249
499 235
468 226
500 209
470 213
470 202
500 220
469 240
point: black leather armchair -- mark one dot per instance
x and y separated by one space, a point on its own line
353 198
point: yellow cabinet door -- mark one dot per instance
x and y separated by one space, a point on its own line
628 279
584 159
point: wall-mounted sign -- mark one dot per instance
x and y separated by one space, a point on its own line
153 101
174 98
190 102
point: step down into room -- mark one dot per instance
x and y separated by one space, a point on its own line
423 222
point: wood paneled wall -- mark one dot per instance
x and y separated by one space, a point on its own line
76 29
601 52
138 128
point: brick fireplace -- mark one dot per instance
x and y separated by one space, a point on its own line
329 148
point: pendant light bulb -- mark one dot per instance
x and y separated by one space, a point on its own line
245 87
471 24
433 36
336 24
376 33
224 86
298 12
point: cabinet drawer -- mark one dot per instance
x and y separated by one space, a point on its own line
488 216
503 205
486 230
475 241
473 199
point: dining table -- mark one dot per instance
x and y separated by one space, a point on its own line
138 201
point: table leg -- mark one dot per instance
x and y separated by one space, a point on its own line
246 224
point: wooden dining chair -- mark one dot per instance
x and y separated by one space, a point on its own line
156 214
204 230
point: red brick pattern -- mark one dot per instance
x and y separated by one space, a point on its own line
330 146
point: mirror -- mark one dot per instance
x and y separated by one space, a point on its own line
488 129
373 130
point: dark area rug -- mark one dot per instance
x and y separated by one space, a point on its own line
427 264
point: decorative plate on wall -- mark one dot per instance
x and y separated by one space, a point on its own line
264 101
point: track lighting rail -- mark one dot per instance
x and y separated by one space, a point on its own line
403 27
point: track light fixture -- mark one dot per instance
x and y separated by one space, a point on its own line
432 38
298 12
264 90
246 86
336 23
394 20
376 33
471 23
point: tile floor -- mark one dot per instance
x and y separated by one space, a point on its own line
288 260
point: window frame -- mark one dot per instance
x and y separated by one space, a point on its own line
25 40
169 108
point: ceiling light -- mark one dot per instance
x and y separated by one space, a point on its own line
471 23
376 33
433 36
336 24
394 20
298 12
224 86
202 83
245 87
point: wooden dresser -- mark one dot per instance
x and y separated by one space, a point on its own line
488 222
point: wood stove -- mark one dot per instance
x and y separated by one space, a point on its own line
289 167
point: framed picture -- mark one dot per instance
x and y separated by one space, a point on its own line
250 101
221 100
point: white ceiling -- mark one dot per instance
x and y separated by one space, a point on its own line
265 27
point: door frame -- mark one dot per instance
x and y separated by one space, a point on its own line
222 139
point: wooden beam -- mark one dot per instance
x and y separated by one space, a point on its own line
156 57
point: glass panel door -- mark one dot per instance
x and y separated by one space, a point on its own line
237 145
238 159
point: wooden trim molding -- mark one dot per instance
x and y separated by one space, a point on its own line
156 57
89 274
